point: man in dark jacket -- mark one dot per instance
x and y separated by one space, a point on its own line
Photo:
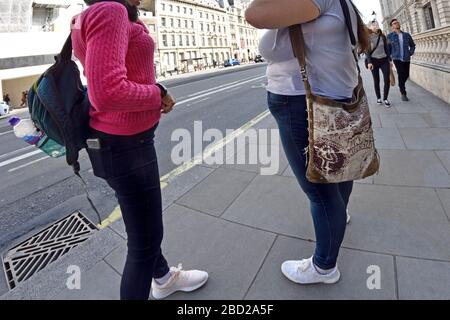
402 47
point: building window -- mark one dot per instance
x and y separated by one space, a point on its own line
171 22
201 14
180 40
192 24
191 11
187 41
193 41
179 23
178 9
173 40
164 39
186 24
184 10
163 22
203 42
201 26
163 6
170 8
429 19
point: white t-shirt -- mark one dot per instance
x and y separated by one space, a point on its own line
331 66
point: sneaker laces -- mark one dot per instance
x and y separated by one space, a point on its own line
177 269
303 265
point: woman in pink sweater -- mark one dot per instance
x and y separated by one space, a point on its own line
116 52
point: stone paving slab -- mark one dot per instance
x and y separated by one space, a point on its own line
438 119
250 159
353 265
411 168
231 253
403 121
183 183
287 212
222 187
99 283
388 138
444 156
423 279
426 139
399 221
444 195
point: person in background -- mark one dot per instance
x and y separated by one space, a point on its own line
379 57
23 102
7 99
402 47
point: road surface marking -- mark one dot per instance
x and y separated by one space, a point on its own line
216 91
3 133
15 152
27 164
24 156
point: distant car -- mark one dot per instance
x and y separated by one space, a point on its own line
4 108
259 58
231 62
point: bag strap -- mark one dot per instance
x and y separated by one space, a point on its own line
298 46
348 22
376 46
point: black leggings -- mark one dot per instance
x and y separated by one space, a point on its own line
129 165
382 64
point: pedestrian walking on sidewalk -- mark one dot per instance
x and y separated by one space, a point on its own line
23 102
7 99
379 57
127 103
402 47
334 75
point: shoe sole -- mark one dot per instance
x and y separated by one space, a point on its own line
329 281
189 289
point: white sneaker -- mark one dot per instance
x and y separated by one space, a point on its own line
304 272
348 217
379 101
181 280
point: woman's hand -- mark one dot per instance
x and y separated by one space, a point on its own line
370 66
270 14
167 103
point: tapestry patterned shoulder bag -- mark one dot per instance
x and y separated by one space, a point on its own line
341 143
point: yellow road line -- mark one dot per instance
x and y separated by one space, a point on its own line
198 159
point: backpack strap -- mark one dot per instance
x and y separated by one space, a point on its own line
66 52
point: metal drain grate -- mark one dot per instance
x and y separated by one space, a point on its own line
35 253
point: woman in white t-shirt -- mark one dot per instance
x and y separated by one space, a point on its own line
332 73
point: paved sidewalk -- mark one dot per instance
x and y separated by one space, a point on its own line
240 226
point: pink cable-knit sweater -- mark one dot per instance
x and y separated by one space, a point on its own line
117 56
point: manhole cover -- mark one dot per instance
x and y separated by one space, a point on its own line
35 253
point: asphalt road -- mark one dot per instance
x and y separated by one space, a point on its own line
36 190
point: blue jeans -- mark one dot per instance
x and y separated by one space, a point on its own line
328 202
130 167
